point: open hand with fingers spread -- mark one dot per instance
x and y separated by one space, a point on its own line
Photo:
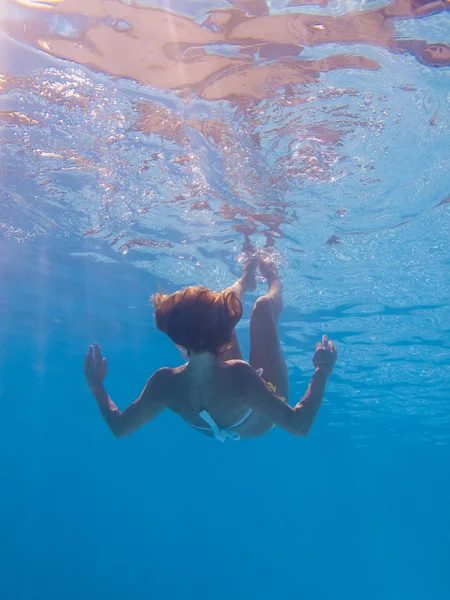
325 354
95 366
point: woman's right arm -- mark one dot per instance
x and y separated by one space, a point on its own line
148 406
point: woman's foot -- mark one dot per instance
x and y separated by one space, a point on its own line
248 278
268 270
247 281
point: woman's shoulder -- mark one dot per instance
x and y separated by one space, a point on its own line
171 371
240 368
166 375
169 382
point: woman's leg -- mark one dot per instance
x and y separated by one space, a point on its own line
265 347
246 283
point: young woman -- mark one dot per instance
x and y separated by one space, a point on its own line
216 392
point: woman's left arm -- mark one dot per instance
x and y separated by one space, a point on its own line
149 404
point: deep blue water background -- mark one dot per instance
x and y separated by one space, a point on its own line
168 513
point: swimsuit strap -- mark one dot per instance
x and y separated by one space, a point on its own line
223 434
244 418
219 434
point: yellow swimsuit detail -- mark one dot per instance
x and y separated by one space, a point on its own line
274 390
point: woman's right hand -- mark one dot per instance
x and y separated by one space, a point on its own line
325 354
95 366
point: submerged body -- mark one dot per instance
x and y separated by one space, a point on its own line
217 392
220 392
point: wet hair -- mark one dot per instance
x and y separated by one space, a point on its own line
198 319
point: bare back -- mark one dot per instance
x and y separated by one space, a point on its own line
224 391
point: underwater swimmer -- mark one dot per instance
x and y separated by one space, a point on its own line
217 392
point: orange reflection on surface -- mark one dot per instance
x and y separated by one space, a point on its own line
161 48
242 54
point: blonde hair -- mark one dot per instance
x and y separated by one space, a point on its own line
197 318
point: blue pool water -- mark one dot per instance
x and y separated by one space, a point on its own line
154 147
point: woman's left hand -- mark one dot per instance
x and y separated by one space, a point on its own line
325 354
95 366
